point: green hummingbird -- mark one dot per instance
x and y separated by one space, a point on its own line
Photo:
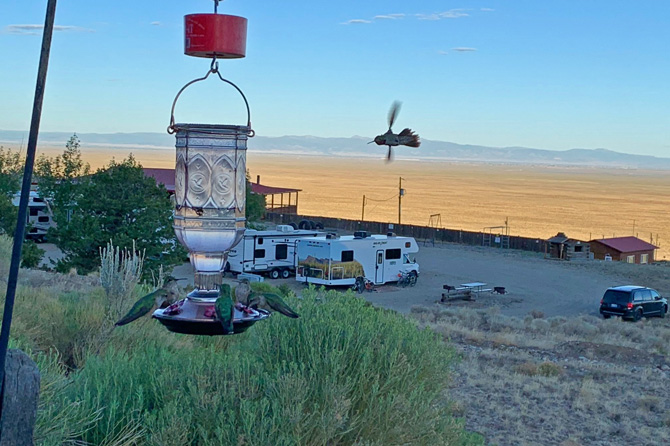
225 309
405 138
167 294
271 302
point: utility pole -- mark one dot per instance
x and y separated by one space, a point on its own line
401 192
363 210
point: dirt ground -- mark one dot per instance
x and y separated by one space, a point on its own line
556 288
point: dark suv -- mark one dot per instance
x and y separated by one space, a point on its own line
632 302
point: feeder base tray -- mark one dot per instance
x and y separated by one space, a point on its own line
189 317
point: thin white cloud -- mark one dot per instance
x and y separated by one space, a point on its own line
451 14
427 16
356 22
388 17
464 49
33 30
487 9
155 23
442 52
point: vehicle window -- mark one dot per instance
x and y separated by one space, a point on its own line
645 295
260 240
281 251
393 254
406 259
259 253
33 212
637 296
654 295
347 256
616 297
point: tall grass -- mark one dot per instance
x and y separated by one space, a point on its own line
344 373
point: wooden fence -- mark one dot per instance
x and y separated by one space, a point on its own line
423 233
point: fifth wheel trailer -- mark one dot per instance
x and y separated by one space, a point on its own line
267 252
338 260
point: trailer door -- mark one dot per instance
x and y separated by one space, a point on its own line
379 267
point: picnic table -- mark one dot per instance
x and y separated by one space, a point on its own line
476 287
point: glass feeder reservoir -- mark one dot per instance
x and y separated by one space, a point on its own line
209 217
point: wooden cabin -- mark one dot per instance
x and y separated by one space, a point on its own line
562 247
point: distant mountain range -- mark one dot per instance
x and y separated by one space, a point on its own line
357 146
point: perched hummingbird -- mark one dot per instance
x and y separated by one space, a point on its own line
271 302
242 292
167 294
405 138
224 309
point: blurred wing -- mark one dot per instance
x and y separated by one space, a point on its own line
389 155
277 304
393 113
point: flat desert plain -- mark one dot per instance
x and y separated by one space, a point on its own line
536 200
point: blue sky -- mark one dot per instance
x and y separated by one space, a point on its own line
544 74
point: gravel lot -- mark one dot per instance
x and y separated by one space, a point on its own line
556 288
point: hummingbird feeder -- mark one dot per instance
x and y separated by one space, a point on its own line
210 185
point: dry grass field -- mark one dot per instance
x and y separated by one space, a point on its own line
558 381
539 201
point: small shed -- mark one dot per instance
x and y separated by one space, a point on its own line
282 200
562 247
627 249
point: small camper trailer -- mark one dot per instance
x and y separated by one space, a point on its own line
267 252
339 260
39 216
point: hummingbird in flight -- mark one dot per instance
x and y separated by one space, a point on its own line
405 138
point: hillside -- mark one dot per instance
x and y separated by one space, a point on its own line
356 146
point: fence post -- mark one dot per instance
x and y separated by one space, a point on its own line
19 400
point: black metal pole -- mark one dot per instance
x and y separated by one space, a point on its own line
19 234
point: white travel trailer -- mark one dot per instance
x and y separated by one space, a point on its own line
339 260
39 216
267 252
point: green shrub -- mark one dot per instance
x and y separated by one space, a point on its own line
344 373
31 254
549 369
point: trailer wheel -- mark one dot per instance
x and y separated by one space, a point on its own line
318 225
274 274
304 224
293 225
285 273
312 225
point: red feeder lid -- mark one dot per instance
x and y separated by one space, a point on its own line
210 35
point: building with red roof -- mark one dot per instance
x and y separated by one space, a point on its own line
282 200
627 249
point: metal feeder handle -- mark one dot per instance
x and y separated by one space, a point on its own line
214 69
